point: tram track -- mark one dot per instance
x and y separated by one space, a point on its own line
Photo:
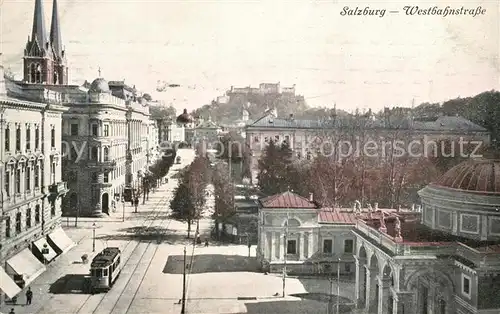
147 222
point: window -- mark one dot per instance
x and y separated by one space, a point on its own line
37 214
74 129
466 285
106 177
7 182
28 218
328 246
106 154
7 139
52 209
37 176
347 268
291 247
37 138
308 156
424 298
28 138
7 227
93 153
106 130
52 173
28 178
266 139
348 246
94 177
104 272
18 222
256 139
98 272
18 139
53 138
73 154
442 306
18 181
94 130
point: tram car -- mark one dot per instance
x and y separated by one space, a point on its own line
105 269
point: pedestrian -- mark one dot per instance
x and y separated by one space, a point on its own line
206 242
12 311
29 296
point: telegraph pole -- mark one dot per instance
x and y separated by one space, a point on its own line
338 287
183 309
284 252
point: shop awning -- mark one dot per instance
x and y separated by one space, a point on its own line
43 247
61 240
25 264
7 284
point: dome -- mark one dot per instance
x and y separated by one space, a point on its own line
475 175
184 118
99 85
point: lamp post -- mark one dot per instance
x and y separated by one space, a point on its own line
93 237
338 286
285 248
183 309
123 209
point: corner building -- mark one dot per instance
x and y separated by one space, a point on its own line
106 130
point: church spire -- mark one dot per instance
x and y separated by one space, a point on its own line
39 31
55 32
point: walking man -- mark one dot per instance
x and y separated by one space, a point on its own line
29 296
12 311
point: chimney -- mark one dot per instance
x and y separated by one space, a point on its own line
376 206
311 197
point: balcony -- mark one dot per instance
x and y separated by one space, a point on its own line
58 188
103 164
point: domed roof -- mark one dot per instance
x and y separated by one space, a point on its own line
184 118
475 175
99 85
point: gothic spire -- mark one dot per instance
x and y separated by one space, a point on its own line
39 32
55 32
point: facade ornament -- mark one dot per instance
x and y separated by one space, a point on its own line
397 229
382 227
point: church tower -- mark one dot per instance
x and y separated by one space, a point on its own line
44 58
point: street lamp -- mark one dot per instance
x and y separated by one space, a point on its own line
93 237
183 300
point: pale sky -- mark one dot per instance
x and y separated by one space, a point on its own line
207 46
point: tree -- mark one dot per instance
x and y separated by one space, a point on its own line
162 112
190 196
223 192
276 169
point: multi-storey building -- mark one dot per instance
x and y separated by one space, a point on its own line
106 133
308 137
31 160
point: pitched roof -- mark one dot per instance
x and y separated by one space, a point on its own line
443 123
336 216
286 200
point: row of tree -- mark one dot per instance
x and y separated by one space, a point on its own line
389 181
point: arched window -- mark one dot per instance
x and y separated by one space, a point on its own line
94 153
38 74
55 77
32 73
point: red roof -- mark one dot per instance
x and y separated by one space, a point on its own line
329 215
286 200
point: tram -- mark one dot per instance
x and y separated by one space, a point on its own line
105 269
